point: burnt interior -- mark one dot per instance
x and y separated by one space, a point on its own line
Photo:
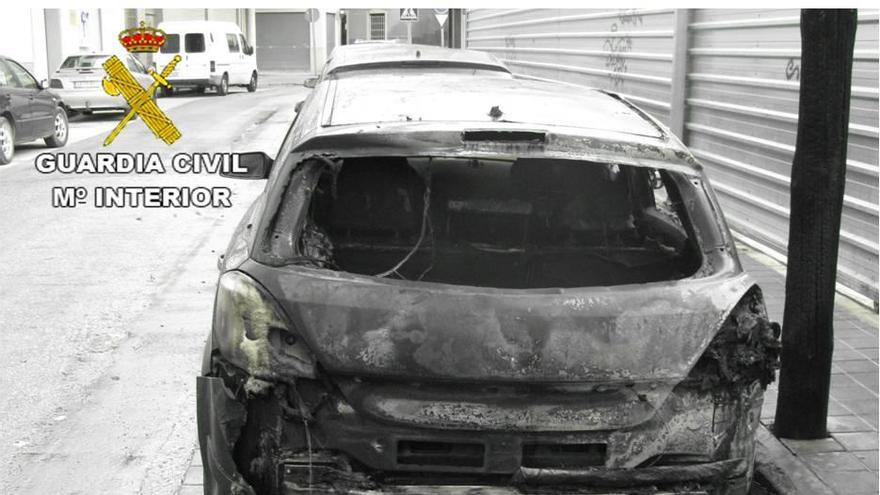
528 223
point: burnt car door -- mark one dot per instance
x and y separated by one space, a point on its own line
16 100
41 103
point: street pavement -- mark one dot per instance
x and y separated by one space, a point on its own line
105 311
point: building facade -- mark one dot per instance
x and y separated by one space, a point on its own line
40 39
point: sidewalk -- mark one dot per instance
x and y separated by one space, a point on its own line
847 461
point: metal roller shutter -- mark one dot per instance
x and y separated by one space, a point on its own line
738 86
282 41
629 51
742 105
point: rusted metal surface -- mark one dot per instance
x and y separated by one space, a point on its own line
628 477
289 423
358 325
407 99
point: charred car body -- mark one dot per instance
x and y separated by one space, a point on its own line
456 278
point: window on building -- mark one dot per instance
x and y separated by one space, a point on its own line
194 42
377 26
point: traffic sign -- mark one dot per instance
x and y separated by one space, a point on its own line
441 15
409 15
312 15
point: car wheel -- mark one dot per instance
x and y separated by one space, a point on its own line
223 88
7 141
70 112
58 138
252 85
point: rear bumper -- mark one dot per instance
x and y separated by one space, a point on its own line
91 99
273 457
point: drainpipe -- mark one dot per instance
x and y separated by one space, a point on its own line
678 97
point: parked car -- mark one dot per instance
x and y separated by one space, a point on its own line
78 82
28 111
214 55
465 279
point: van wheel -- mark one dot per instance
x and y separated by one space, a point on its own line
60 129
7 140
252 85
223 88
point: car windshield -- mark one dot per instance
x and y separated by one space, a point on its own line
84 61
526 223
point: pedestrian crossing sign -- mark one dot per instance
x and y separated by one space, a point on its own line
409 15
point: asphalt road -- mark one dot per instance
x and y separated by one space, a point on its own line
104 312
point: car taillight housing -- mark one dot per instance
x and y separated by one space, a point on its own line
252 332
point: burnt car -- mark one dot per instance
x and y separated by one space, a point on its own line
459 281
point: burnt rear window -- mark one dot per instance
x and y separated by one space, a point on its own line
194 42
172 44
528 223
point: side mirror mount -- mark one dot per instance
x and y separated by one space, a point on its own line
298 106
311 82
249 50
253 165
43 84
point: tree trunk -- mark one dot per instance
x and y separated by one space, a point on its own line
817 182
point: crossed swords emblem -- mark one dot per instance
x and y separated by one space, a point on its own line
120 81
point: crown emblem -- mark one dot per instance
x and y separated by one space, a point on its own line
142 39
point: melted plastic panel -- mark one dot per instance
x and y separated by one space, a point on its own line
529 223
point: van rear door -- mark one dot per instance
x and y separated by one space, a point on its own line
196 59
193 50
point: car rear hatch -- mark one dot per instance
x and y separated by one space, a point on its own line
86 74
621 349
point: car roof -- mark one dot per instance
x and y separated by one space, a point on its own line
379 55
461 97
479 113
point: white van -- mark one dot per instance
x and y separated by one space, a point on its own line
213 55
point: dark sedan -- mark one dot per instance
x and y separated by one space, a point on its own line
28 111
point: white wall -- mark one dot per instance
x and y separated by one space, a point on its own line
17 36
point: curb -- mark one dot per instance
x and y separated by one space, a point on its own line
783 470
